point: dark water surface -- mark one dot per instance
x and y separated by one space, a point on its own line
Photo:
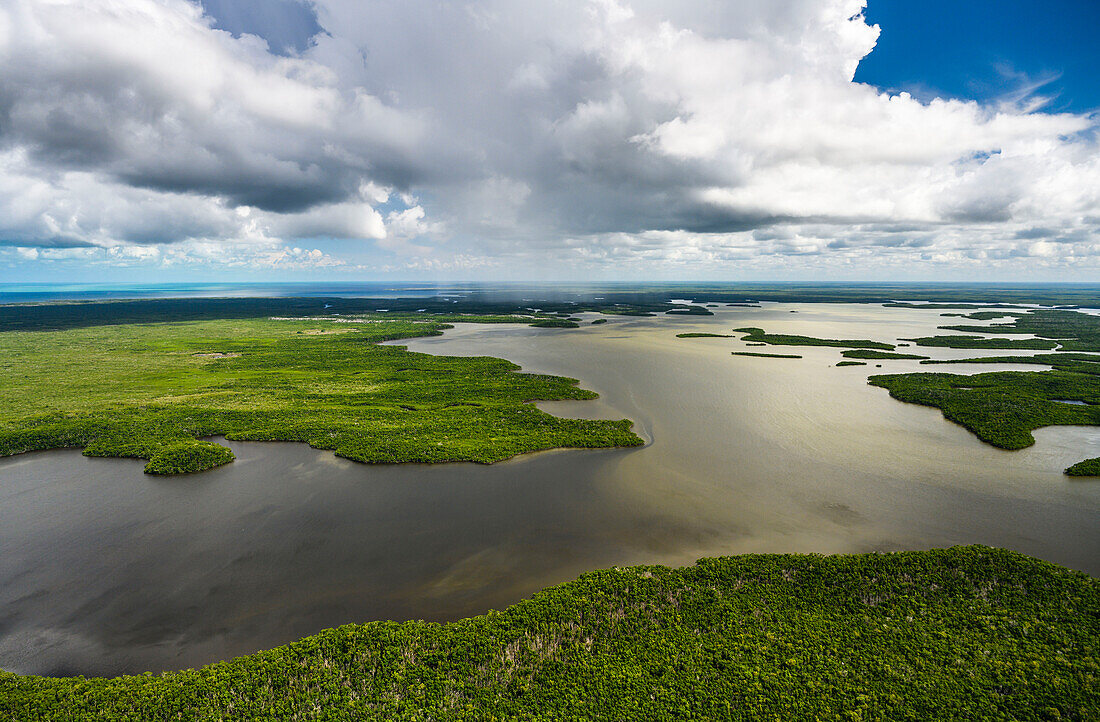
104 570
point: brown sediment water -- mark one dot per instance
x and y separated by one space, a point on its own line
106 570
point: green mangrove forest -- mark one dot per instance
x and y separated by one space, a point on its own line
703 335
152 391
1088 467
1003 408
961 633
978 342
765 355
871 354
1073 330
757 335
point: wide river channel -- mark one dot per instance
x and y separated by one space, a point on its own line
104 570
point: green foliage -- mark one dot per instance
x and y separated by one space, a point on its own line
626 312
703 335
636 300
986 343
1073 330
186 457
963 633
689 311
986 315
555 323
851 363
1082 363
598 321
765 355
142 390
868 354
1002 408
938 306
757 335
1088 467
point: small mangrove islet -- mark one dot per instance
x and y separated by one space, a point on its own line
703 335
758 335
977 342
871 354
765 355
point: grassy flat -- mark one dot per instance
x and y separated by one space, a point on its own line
962 633
150 390
757 335
851 363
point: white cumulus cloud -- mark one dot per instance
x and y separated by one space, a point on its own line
665 137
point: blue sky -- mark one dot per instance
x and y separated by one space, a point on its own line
985 49
549 140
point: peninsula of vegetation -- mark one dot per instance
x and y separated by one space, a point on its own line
151 391
962 633
1088 467
1003 408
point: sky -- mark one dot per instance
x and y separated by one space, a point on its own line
166 140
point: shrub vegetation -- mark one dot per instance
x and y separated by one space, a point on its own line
188 456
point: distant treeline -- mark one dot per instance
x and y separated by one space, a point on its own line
635 301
